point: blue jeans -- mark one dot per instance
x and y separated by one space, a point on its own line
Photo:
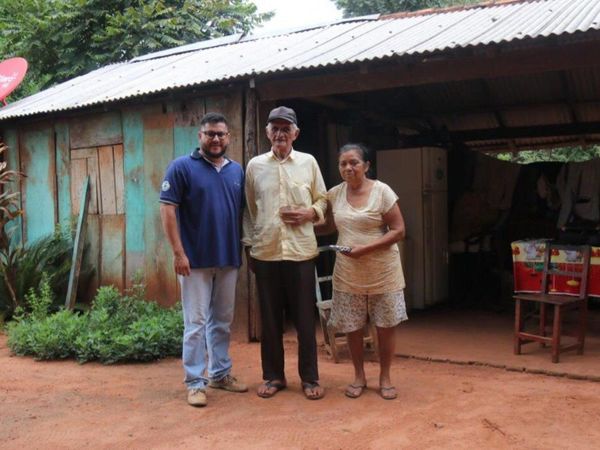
208 298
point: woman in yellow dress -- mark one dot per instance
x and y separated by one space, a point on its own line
368 281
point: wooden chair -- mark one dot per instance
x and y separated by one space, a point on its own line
334 340
559 302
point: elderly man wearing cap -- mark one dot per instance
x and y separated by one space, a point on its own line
285 194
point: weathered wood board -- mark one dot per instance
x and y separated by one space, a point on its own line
158 152
78 245
112 256
63 173
38 189
95 130
133 174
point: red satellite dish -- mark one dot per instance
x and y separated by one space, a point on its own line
12 72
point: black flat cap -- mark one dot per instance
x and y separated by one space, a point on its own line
283 113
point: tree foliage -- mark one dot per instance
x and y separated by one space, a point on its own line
561 154
353 8
65 38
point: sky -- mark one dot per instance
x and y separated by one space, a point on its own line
296 13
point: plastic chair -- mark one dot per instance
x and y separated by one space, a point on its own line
559 302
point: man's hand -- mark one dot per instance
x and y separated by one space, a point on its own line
249 259
182 265
298 216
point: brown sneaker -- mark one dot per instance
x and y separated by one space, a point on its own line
229 383
197 397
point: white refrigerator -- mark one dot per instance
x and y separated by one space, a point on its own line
419 177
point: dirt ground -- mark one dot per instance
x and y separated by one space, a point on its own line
440 405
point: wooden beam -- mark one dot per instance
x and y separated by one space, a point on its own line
445 67
513 108
333 103
573 129
568 96
485 87
250 151
424 114
78 245
250 125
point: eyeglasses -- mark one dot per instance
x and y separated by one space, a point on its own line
213 134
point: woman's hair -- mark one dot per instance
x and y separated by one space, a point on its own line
363 151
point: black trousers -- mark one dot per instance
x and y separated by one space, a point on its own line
287 287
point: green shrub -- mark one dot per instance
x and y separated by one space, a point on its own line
49 338
116 328
39 334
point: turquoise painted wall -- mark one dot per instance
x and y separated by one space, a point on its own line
152 135
38 164
133 168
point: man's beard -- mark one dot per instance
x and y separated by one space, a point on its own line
210 154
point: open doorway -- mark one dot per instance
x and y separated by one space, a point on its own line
480 204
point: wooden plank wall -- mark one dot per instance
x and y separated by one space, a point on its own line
124 228
263 113
188 114
96 150
133 168
170 130
38 189
95 130
112 260
160 278
63 173
231 105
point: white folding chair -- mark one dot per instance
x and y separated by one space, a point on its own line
333 339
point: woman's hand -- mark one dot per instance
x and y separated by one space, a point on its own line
357 251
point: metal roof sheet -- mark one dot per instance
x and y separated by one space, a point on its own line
347 41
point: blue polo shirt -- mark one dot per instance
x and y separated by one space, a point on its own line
209 209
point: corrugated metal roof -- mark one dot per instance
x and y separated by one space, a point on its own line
343 42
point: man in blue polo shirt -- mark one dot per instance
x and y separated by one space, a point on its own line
201 203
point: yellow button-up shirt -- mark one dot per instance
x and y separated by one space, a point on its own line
271 184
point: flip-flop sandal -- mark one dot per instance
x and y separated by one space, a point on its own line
388 393
271 384
306 385
354 390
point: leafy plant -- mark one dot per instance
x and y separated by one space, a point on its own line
560 154
22 267
40 301
39 334
116 328
9 210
